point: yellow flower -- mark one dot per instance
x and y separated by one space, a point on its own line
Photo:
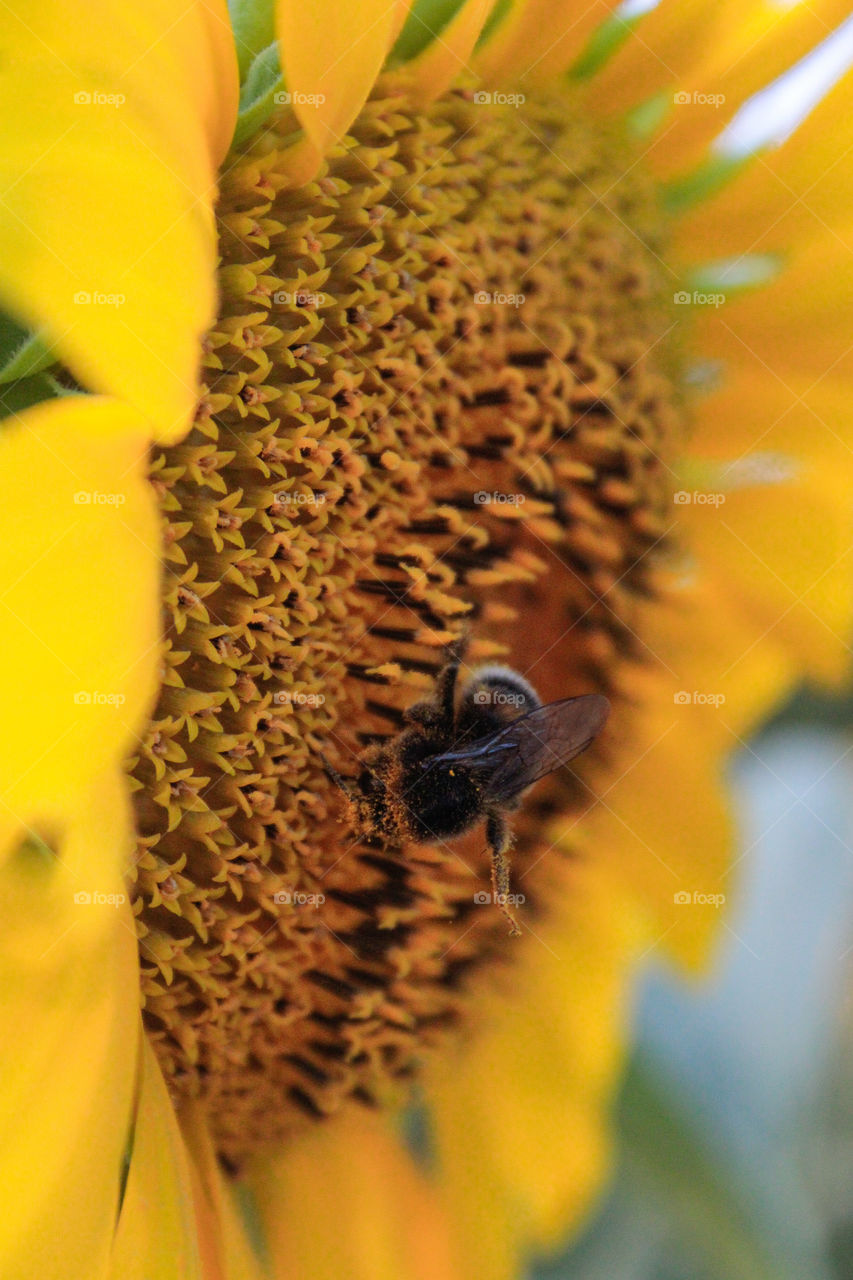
435 371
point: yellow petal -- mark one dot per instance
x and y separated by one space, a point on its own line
801 324
797 326
427 76
777 436
789 195
750 49
331 55
224 1239
783 549
109 179
538 39
70 1018
738 657
156 1236
649 849
346 1200
79 592
744 46
518 1107
771 603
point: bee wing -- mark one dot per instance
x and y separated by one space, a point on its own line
510 760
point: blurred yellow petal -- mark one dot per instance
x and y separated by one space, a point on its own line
784 548
692 656
664 52
220 1228
78 600
776 439
429 74
772 601
331 55
653 851
538 39
156 1236
108 176
800 324
346 1200
788 195
70 1018
744 47
517 1107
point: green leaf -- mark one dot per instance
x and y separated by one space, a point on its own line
22 353
260 94
664 1148
426 21
646 118
253 23
497 13
709 177
15 397
246 1206
606 40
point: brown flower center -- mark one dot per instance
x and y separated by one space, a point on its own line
436 397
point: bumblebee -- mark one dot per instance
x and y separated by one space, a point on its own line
468 753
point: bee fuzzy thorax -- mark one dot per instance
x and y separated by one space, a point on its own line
502 690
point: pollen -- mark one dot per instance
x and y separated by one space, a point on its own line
438 398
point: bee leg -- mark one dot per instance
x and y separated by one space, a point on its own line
457 648
439 712
445 688
359 812
499 836
345 784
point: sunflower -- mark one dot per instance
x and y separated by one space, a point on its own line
334 334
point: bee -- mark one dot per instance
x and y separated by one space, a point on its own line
468 752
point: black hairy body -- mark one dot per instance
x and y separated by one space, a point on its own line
468 753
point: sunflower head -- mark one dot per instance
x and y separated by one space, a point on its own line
438 397
436 292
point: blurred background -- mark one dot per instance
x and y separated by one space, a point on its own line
735 1123
736 1119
